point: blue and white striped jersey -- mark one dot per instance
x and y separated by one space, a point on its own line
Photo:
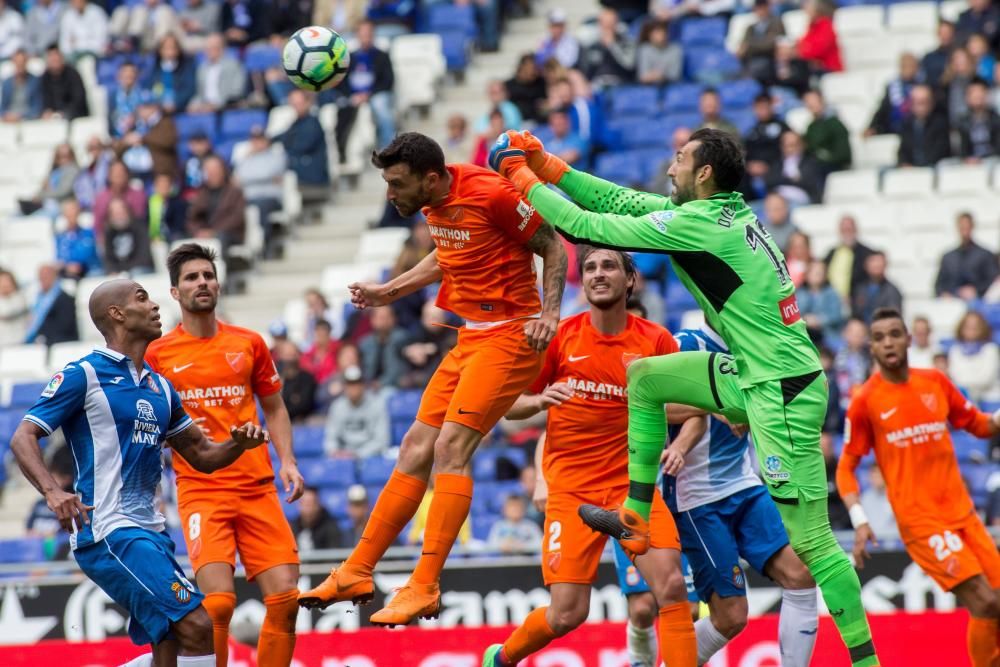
720 464
116 419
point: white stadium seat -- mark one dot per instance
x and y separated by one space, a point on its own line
44 133
337 277
880 150
918 17
381 246
738 26
796 22
798 119
61 354
424 50
963 179
27 362
858 19
10 137
851 186
951 9
846 86
908 183
870 51
280 119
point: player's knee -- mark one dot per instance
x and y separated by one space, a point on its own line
642 610
671 588
564 621
730 624
984 604
194 632
416 454
793 575
452 454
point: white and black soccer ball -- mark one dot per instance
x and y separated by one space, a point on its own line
316 58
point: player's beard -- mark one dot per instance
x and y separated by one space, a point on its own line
902 361
193 306
605 300
681 194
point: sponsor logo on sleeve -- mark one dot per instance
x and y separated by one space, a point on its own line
660 219
53 386
525 210
789 308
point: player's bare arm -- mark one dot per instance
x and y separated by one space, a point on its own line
541 495
67 507
370 295
206 456
547 245
690 433
528 405
847 484
280 430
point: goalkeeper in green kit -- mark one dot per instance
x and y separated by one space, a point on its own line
773 380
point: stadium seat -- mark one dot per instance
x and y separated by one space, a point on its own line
9 420
851 186
445 17
24 362
500 493
330 473
679 298
908 182
44 133
710 65
908 17
308 441
381 246
481 526
738 94
969 448
237 123
260 58
796 23
840 86
61 354
335 502
22 550
737 30
798 119
279 119
682 97
189 124
456 48
951 9
421 50
977 475
862 19
962 179
619 167
403 404
880 150
375 471
635 100
709 32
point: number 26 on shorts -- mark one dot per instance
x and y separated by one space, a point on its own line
945 544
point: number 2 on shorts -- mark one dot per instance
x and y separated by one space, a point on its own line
945 544
555 531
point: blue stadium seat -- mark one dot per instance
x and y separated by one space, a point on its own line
9 420
635 101
261 58
992 314
22 550
710 65
445 17
308 441
682 97
404 404
399 429
177 535
501 493
785 99
456 47
705 32
739 94
375 471
189 124
224 149
743 119
291 510
619 167
236 124
679 299
330 473
989 407
481 526
969 448
107 70
24 394
977 475
335 502
484 465
481 499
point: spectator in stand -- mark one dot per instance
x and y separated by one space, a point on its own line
658 60
357 425
798 176
798 255
11 31
826 137
561 141
935 62
298 387
76 247
382 349
21 92
347 356
710 107
456 145
760 40
572 92
979 129
167 210
763 141
486 138
370 81
409 309
819 46
358 512
221 79
875 500
344 16
261 172
852 365
610 60
845 263
119 187
960 73
314 528
13 310
63 94
514 533
777 220
94 177
895 106
560 45
425 349
983 61
83 30
981 17
58 184
925 137
790 71
820 305
53 315
140 27
876 291
172 78
287 16
923 347
218 209
526 89
967 271
321 357
41 25
150 148
974 359
124 100
305 147
317 309
245 21
198 20
126 242
199 149
662 183
496 93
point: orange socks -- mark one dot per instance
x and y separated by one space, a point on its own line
678 646
982 641
394 508
448 511
532 635
277 635
220 608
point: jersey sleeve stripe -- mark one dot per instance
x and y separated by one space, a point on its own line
711 380
39 423
187 421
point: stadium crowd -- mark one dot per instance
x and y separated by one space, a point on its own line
594 93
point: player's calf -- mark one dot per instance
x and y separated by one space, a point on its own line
416 451
564 620
194 634
454 448
729 614
788 570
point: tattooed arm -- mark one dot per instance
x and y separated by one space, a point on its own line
369 295
547 245
206 456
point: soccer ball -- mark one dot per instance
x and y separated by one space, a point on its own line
316 58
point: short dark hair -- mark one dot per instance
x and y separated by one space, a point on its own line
723 153
417 151
323 324
184 253
888 314
628 264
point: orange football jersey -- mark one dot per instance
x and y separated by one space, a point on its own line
586 444
481 230
217 379
907 427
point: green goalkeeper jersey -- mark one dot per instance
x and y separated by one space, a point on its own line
719 249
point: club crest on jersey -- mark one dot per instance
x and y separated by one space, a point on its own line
632 576
181 592
235 361
145 410
772 469
738 579
660 219
629 357
53 386
930 401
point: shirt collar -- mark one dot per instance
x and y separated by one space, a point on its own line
118 358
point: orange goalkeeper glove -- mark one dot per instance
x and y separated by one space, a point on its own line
546 166
511 162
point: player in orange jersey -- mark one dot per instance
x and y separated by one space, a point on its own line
902 414
218 369
486 238
582 385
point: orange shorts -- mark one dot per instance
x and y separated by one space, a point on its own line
221 522
480 378
952 556
571 551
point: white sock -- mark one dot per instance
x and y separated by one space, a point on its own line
196 660
709 639
641 645
145 660
797 627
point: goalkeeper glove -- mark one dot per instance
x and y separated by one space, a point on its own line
511 162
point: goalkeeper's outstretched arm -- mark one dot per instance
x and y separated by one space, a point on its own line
601 196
